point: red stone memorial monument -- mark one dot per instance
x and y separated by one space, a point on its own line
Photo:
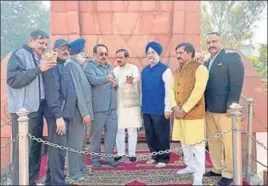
130 25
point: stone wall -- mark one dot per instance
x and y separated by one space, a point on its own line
128 24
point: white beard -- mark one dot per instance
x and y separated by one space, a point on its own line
79 58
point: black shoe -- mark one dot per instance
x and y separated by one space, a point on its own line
211 173
225 181
117 158
132 159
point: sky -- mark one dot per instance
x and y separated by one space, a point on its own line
259 32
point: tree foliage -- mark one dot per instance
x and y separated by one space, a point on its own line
232 19
260 62
18 19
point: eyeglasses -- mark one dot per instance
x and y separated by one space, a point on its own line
103 54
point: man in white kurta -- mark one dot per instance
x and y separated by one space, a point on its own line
129 114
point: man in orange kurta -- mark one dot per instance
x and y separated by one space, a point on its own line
187 99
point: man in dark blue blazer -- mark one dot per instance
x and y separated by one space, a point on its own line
226 76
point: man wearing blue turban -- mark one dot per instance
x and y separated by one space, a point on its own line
83 112
156 79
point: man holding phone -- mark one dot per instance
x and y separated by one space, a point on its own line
25 89
104 86
59 112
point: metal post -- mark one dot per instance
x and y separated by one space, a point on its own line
237 148
23 147
249 140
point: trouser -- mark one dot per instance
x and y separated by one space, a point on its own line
56 156
76 138
107 122
220 148
35 127
194 157
157 131
132 141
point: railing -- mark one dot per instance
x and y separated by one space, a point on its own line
236 130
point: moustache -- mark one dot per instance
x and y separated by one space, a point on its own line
178 58
212 48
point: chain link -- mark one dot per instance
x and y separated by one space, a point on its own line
139 156
252 137
10 142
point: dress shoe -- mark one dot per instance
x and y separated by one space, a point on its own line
211 173
111 163
186 170
132 159
117 158
225 181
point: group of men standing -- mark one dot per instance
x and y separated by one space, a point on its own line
74 92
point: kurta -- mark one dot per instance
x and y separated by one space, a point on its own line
128 117
190 131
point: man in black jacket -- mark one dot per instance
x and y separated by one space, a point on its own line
59 103
226 76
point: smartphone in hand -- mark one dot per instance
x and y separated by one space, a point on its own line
51 56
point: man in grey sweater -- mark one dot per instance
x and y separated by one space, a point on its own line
83 111
25 89
99 75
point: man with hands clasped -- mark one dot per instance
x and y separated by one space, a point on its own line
156 79
188 105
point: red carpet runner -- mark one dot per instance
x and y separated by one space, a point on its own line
138 173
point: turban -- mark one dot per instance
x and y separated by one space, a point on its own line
77 46
155 46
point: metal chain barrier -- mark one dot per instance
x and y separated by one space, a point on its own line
139 156
10 142
252 137
258 162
